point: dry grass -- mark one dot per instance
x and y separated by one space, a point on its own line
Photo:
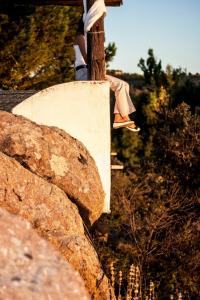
133 289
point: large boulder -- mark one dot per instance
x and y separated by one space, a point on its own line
54 155
30 268
54 217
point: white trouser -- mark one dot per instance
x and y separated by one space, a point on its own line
81 74
123 103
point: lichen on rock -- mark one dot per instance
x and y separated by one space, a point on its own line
59 165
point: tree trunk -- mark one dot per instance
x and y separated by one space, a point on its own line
95 48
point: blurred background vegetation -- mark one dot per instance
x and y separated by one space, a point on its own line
155 205
36 46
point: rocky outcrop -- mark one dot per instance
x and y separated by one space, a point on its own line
30 268
54 155
49 211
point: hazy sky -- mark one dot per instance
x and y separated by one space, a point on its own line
170 27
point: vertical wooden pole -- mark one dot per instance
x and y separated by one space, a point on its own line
95 48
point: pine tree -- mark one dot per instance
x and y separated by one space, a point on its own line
36 48
110 52
154 76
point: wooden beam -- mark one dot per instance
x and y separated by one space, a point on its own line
95 48
54 2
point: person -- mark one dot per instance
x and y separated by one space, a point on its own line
123 104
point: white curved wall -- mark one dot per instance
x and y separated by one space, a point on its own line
82 109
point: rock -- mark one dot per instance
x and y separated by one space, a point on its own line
54 155
30 268
54 217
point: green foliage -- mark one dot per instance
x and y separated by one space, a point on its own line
133 149
36 48
154 221
110 52
154 76
177 143
182 87
128 146
186 89
155 209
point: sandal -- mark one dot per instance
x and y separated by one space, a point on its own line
117 125
135 129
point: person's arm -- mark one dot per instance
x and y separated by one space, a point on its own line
80 41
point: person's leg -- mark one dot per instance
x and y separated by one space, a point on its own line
123 104
81 74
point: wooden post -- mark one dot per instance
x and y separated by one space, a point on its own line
95 48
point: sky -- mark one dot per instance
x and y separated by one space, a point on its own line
170 27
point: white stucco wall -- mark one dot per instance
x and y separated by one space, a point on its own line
82 109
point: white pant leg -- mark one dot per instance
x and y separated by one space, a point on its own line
82 74
123 103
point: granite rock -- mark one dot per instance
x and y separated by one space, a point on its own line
54 155
55 218
30 268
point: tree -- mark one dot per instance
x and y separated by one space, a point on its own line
155 206
185 89
177 145
36 47
155 209
110 52
154 76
